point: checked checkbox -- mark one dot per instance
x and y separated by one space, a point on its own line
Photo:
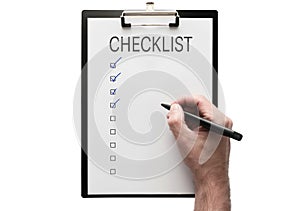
113 91
114 104
114 64
113 78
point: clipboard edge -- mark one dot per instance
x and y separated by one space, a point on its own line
116 14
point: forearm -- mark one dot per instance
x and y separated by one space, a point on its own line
212 193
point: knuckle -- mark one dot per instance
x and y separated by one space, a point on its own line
228 122
209 116
202 102
176 122
173 121
200 98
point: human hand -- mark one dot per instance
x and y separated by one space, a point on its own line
210 177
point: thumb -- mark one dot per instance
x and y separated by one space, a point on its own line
176 121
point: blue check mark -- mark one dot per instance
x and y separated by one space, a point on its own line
114 78
114 104
114 64
113 91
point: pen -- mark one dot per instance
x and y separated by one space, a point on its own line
210 125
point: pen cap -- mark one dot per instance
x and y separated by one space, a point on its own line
237 136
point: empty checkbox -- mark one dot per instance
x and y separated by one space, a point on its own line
112 118
112 171
112 131
112 144
113 158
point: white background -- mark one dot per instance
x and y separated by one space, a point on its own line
40 64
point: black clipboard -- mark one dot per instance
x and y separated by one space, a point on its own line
86 14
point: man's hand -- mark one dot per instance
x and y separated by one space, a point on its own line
210 178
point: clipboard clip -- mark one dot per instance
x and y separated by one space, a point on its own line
150 12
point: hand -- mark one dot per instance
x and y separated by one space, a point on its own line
211 177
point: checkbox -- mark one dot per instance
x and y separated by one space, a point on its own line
112 65
112 105
112 78
113 158
113 118
112 171
112 144
113 131
113 91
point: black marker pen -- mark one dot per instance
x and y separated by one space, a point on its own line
211 125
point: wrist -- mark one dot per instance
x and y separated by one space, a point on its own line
216 168
214 177
212 189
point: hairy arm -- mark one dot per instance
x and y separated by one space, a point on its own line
212 190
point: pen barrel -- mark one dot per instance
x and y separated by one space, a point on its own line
219 129
211 126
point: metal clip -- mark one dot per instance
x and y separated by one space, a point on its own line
150 12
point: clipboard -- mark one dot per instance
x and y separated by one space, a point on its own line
176 19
